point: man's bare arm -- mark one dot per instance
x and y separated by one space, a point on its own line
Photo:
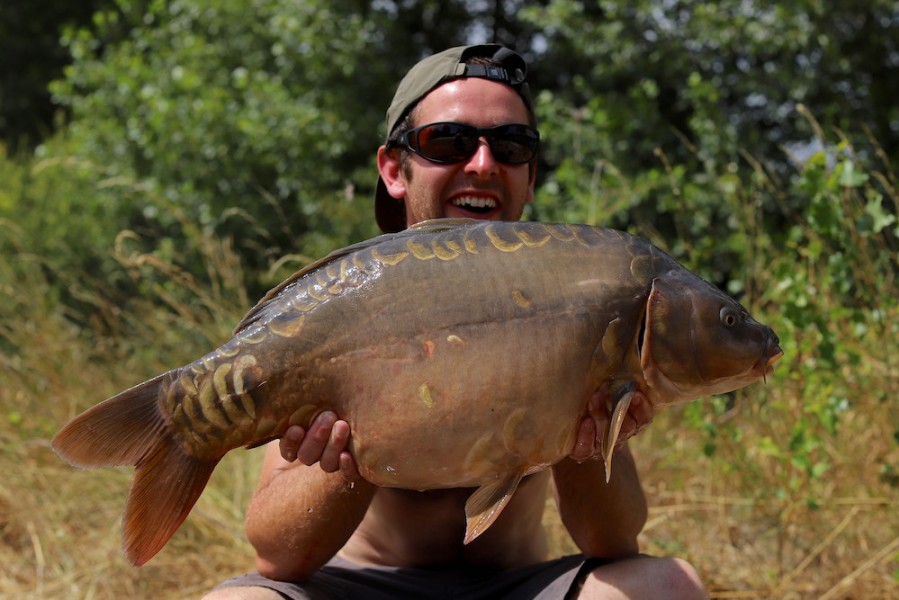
604 519
300 516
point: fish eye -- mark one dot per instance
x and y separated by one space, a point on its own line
729 317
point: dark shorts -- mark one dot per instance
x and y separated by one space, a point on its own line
340 579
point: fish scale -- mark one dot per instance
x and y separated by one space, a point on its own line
462 354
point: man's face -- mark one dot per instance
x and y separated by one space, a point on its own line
480 187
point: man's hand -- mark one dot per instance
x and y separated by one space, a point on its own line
595 425
325 443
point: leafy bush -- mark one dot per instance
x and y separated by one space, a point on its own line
235 118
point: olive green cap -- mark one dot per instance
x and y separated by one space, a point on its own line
430 73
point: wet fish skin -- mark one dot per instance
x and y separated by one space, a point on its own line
462 353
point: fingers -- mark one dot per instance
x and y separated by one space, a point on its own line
348 468
585 446
335 447
290 442
595 424
641 411
325 443
317 437
639 416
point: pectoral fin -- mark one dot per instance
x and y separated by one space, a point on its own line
622 402
485 504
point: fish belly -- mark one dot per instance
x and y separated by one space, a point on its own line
458 407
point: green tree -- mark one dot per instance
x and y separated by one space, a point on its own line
32 57
673 116
258 119
249 117
722 76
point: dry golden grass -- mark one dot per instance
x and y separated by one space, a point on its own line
749 540
755 524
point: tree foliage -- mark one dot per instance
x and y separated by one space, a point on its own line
722 76
249 117
690 103
33 56
258 119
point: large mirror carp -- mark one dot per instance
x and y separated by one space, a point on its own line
462 354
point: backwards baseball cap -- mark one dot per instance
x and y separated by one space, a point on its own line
430 73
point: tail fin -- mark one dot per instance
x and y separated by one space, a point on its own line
129 429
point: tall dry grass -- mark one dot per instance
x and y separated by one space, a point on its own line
754 521
59 527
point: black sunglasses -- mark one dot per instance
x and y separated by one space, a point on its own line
455 142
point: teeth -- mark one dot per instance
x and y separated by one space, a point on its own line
474 202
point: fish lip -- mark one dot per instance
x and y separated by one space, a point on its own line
766 362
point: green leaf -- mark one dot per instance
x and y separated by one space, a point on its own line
850 177
880 219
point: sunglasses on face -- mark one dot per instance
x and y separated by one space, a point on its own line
456 142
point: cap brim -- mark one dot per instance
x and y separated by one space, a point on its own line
390 213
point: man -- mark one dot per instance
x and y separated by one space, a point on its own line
461 143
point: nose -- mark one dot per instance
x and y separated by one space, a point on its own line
482 162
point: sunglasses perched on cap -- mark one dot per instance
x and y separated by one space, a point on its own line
512 144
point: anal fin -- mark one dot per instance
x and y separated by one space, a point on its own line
485 504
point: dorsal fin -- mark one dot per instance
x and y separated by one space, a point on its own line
429 226
437 225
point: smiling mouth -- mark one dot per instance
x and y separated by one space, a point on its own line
478 204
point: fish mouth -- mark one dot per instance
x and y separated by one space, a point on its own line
768 367
773 353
